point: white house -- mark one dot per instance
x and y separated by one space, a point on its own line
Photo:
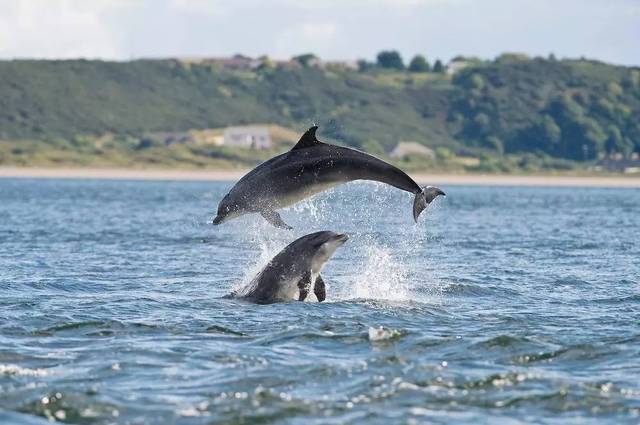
457 65
406 149
251 137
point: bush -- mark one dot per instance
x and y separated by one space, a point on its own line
390 59
419 64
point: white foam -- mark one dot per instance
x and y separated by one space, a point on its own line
382 334
10 369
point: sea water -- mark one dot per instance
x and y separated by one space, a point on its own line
507 305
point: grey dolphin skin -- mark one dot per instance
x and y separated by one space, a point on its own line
295 271
310 167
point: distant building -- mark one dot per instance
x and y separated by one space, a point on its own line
236 62
349 65
407 149
239 62
457 65
250 137
286 64
620 165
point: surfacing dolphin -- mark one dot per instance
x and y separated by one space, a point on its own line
310 167
295 271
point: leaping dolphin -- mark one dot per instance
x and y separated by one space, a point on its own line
310 167
295 271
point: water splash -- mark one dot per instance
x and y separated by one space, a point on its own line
269 241
314 208
381 264
379 276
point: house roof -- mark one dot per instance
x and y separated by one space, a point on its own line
410 148
255 130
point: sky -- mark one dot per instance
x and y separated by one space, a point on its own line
607 30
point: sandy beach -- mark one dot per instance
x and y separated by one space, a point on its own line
232 175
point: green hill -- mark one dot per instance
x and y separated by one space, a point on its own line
570 109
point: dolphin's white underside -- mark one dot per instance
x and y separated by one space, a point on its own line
293 197
289 290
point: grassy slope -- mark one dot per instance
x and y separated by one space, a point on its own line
47 107
41 99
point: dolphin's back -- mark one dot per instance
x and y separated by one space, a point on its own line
294 175
274 283
263 289
346 164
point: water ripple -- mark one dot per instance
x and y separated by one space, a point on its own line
501 306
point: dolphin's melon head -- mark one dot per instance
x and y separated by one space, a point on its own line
227 209
323 245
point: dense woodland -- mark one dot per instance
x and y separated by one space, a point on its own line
547 108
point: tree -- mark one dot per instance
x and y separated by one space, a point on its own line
438 67
266 63
364 65
306 60
495 143
419 64
634 78
482 120
470 81
550 131
564 108
614 89
615 142
390 59
594 135
444 154
543 136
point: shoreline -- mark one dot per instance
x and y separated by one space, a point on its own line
233 175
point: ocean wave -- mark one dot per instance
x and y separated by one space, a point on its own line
467 289
95 328
633 299
15 370
504 341
382 334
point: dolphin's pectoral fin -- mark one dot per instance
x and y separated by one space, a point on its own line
319 289
274 218
303 285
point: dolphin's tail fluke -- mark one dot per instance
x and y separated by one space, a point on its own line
424 198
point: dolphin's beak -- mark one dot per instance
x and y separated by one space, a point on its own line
218 219
342 237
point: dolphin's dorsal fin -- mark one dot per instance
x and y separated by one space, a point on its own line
308 139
